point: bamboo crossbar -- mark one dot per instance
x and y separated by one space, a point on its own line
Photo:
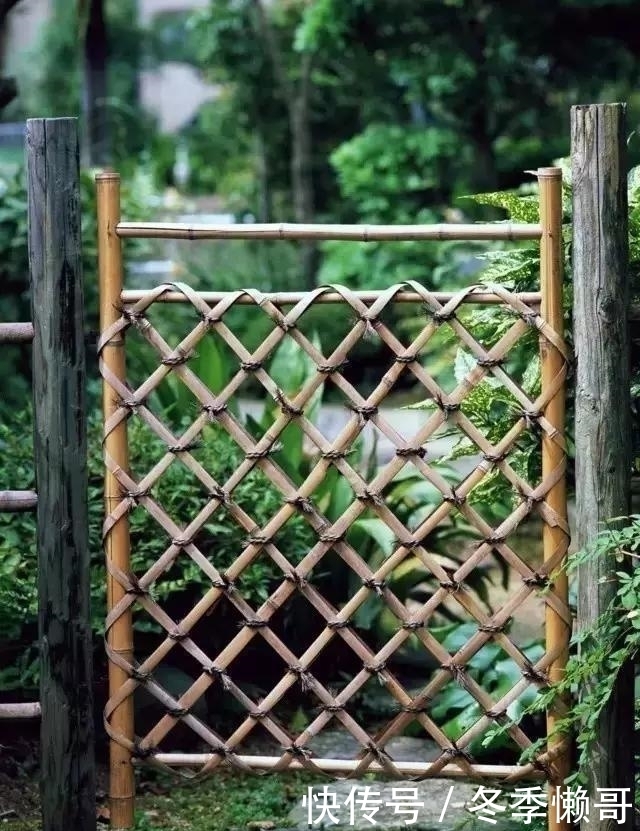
15 711
358 233
290 298
18 501
350 765
16 333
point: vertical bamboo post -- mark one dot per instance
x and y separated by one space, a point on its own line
117 547
553 454
603 407
67 776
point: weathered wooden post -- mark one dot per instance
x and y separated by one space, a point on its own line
67 752
602 421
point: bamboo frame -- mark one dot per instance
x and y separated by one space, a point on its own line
116 538
543 310
555 537
358 233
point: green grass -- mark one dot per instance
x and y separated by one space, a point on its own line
227 801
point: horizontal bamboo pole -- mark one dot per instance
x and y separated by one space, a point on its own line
349 765
358 233
16 332
31 710
290 298
17 501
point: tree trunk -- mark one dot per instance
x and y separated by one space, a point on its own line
301 166
96 128
265 206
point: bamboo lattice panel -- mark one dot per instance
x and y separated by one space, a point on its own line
327 703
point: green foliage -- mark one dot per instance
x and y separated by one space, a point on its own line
389 173
599 651
51 73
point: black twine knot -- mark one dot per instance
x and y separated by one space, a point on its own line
219 493
451 586
214 410
178 712
375 585
337 624
536 579
333 455
488 363
367 411
297 579
456 752
369 497
252 623
495 458
329 369
182 542
298 752
286 406
412 625
420 452
140 752
532 674
530 318
177 359
491 628
134 586
442 315
301 502
177 635
218 673
455 498
302 675
183 448
406 359
141 676
250 366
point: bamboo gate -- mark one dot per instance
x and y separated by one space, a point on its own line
125 310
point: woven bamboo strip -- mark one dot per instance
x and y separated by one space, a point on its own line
290 298
360 233
174 360
116 541
555 537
